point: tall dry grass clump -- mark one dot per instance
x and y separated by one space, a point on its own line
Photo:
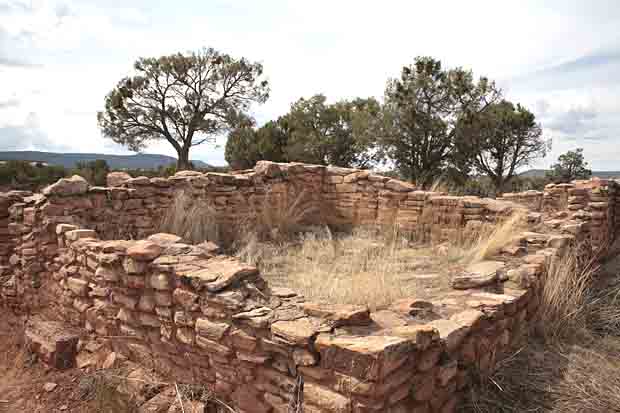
490 239
567 298
191 219
280 215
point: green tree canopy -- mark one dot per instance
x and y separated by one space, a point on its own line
500 140
570 166
421 112
247 145
313 131
335 134
185 99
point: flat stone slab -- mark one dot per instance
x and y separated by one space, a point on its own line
478 275
339 314
54 342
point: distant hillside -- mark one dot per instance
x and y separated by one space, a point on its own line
540 173
68 160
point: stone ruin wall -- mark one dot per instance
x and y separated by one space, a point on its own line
197 316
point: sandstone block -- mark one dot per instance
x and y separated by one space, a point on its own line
212 346
54 342
186 299
62 228
452 332
339 314
160 281
297 332
478 275
109 274
325 399
76 185
211 330
164 239
133 266
144 251
80 234
117 178
77 286
370 357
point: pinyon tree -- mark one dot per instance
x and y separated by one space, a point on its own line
184 99
571 165
421 112
500 141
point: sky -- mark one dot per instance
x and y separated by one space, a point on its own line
559 58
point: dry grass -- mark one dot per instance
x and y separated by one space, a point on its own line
365 267
571 364
193 220
372 266
279 218
566 299
490 240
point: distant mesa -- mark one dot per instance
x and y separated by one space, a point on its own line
68 160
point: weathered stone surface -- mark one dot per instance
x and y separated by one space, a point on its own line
229 271
54 342
144 251
77 286
62 228
339 314
411 306
422 336
117 178
399 186
371 357
164 239
211 330
80 234
298 332
76 185
326 400
452 332
478 275
50 387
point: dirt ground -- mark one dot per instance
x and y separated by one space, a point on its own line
28 385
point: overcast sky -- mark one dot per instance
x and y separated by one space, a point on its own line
561 59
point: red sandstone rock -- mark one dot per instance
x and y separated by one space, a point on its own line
422 336
54 342
325 399
339 314
76 185
478 275
164 239
298 332
144 250
117 178
371 357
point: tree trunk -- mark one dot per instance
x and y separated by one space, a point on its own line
499 186
183 161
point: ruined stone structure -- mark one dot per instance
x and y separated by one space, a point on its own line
93 259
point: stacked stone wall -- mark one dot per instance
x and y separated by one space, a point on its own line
198 316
